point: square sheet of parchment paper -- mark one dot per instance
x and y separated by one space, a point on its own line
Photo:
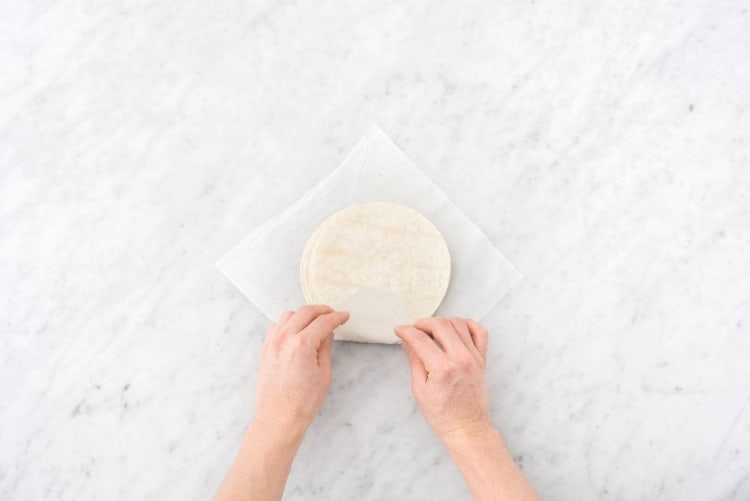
264 266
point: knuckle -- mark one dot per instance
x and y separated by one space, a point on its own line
465 361
284 331
446 370
274 345
293 344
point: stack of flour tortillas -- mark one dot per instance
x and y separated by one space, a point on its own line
366 245
385 263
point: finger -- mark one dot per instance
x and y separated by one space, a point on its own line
422 346
459 324
322 327
442 330
304 316
418 371
281 322
479 336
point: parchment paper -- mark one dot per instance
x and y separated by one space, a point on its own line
264 265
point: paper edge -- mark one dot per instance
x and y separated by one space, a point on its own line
515 276
221 263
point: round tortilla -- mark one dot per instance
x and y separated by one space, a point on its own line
383 262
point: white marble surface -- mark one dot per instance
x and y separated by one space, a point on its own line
605 150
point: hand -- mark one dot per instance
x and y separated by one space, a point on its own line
295 368
293 376
447 358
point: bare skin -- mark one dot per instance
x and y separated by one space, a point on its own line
447 359
293 377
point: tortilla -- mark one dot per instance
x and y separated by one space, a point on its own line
383 262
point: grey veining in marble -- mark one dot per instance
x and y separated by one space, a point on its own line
604 148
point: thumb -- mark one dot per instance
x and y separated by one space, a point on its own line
418 371
324 353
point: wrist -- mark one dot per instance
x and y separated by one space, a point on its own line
281 434
488 467
468 440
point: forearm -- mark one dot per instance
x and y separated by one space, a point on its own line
488 468
262 465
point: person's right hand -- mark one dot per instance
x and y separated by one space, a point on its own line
447 358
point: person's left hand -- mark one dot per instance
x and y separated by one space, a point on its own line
295 367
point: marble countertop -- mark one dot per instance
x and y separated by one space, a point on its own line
604 150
